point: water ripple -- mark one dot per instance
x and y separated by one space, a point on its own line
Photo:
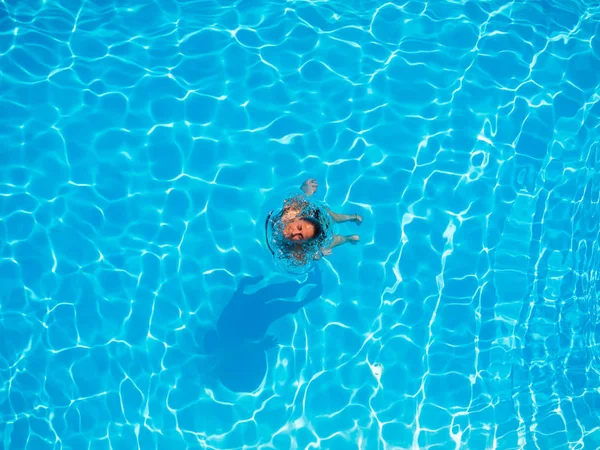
144 143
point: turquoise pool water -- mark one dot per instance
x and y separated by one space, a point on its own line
142 144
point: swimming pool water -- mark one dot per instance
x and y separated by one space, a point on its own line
142 144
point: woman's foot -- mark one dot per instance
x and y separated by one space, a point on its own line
353 239
357 219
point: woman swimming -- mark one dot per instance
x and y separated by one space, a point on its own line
305 227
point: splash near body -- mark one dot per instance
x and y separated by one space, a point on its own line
297 233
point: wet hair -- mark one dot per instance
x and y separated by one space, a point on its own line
318 228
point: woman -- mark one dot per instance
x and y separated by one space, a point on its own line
305 228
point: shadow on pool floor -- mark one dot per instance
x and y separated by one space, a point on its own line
240 339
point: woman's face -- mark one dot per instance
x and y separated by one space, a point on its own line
299 231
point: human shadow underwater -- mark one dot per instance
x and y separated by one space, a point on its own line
240 340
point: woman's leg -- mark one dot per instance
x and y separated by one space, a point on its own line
339 218
341 240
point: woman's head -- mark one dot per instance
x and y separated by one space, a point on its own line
302 229
296 235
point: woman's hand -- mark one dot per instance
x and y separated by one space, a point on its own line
309 187
323 252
